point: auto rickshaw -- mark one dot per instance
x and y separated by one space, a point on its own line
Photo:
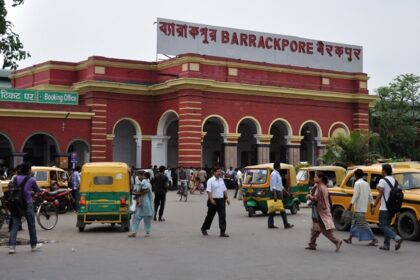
256 188
50 178
105 195
305 178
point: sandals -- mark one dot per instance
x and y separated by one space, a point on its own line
338 245
348 241
373 243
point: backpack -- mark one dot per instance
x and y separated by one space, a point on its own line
17 203
395 199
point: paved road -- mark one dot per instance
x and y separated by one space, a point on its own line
177 250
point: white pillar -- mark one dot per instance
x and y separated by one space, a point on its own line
160 150
138 139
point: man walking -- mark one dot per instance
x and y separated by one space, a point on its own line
384 187
161 187
361 198
276 187
75 187
217 197
27 185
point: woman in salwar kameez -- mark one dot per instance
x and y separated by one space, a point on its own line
322 221
144 211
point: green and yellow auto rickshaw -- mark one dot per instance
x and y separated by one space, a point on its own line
105 190
256 188
305 177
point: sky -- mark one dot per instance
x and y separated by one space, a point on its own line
73 30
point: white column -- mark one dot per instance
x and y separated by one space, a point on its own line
160 150
138 139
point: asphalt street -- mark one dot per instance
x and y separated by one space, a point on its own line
177 250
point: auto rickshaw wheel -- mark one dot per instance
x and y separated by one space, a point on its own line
82 229
251 211
294 208
125 226
265 212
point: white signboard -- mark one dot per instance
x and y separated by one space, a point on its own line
178 37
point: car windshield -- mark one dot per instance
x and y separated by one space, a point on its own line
408 181
302 175
255 176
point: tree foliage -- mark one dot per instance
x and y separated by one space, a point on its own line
396 118
356 149
11 47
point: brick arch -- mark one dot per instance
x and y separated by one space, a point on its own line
253 120
336 125
220 118
163 121
316 124
132 121
10 141
56 142
285 122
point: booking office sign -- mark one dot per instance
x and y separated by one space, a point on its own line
34 96
178 37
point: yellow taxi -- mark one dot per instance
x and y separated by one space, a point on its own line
408 222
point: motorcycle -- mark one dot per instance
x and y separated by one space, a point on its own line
63 199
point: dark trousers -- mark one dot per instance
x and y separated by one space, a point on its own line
236 188
220 208
385 226
271 219
16 221
160 201
75 201
283 213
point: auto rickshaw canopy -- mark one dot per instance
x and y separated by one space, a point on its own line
105 176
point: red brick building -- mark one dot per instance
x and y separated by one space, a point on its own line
191 110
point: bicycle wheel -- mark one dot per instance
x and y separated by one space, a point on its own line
47 215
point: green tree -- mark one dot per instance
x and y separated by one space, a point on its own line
396 118
356 149
11 47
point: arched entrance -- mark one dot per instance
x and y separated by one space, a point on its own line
213 147
247 143
278 144
165 143
78 151
41 149
6 150
124 144
309 143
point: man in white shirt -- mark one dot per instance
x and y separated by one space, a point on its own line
362 196
217 196
276 187
239 179
384 187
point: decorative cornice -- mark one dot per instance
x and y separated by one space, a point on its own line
23 113
178 62
222 87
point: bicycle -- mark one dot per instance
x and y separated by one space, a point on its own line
46 210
